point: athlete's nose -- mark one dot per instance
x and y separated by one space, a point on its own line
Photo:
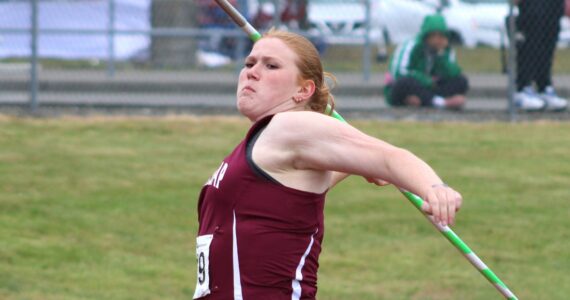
252 73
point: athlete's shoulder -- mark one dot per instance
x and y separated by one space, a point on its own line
300 118
296 127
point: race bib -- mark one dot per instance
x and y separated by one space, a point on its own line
203 271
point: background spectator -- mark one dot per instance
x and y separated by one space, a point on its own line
292 16
212 16
538 26
423 71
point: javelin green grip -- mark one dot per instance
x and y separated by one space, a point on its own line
415 200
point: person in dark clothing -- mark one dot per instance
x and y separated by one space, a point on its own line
538 26
407 87
424 72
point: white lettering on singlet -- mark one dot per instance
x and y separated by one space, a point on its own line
218 176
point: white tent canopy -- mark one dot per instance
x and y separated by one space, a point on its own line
73 15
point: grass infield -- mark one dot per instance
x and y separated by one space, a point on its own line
105 208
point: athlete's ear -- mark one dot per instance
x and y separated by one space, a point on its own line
306 90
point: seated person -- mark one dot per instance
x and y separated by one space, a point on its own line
423 71
211 16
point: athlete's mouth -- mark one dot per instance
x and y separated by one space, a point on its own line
248 88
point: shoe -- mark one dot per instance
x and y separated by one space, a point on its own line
553 102
528 100
438 102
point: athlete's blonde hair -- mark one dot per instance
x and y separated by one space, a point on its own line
310 68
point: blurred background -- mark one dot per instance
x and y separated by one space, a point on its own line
185 54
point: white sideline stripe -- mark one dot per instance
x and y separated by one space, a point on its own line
298 274
476 261
235 260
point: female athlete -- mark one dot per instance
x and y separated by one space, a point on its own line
261 213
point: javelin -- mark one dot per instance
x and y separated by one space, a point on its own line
418 202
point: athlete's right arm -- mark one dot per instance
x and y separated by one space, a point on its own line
318 142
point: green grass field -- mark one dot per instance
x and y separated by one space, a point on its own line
105 208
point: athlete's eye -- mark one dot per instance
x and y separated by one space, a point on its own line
249 65
272 66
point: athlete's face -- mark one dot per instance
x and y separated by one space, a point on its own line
269 80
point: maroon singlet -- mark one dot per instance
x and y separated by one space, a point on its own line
257 239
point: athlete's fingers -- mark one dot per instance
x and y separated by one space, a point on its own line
443 205
452 207
458 200
380 182
435 206
377 181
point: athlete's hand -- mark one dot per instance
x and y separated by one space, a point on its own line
377 181
442 202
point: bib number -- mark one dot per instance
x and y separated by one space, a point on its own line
203 271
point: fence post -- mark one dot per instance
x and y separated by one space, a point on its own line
34 57
512 63
111 39
366 53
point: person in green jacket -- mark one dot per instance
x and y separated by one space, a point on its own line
424 72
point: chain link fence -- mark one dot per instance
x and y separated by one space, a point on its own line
186 53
